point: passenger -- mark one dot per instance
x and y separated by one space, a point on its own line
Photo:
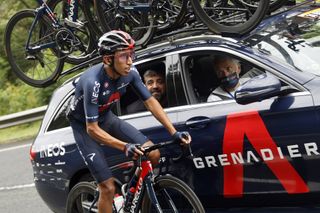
155 83
228 71
94 124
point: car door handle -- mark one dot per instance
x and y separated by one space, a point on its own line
198 122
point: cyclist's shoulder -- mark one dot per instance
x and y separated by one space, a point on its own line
92 73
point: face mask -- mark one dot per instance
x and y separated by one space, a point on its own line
230 81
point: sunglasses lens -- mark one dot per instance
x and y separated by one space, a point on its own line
123 57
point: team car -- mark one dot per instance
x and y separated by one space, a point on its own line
260 149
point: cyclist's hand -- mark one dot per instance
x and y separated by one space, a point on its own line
183 137
133 150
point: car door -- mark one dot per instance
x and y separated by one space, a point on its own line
250 153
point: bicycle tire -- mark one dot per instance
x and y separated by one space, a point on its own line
81 197
139 25
171 14
225 20
84 34
179 192
92 18
46 65
273 5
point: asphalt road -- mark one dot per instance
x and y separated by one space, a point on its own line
17 190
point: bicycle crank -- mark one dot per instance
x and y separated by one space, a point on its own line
66 41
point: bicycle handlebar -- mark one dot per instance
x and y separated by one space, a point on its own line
168 143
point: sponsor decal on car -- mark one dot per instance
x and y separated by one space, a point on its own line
234 157
52 150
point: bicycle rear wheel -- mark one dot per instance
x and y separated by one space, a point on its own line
174 196
273 5
170 14
38 68
228 18
140 25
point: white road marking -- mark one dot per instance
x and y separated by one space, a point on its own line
3 188
14 147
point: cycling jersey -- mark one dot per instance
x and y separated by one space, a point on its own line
96 91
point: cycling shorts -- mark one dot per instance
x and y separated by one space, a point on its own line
91 150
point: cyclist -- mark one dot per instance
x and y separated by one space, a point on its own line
93 122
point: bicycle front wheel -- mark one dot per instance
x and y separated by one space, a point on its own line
40 67
173 195
230 18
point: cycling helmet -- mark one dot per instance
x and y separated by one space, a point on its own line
113 41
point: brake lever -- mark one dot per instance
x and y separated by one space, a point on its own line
186 152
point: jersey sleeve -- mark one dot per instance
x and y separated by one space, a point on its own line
91 91
138 85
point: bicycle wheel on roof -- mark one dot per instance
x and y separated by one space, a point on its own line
273 5
230 18
136 20
39 63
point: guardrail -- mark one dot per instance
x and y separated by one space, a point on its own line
22 117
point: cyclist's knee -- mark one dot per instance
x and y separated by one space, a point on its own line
107 188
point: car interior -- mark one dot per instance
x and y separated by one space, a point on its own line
202 76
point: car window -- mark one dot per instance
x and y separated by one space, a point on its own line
130 102
60 120
201 76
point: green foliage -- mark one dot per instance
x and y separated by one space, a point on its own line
15 95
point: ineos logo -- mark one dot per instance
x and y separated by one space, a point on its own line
52 150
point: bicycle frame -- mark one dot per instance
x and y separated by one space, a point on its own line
40 11
144 180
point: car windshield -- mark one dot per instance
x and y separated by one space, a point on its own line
294 39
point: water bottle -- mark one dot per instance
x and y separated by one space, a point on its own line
118 202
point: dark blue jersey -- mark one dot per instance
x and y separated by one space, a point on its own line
96 91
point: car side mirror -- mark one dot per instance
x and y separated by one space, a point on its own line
258 88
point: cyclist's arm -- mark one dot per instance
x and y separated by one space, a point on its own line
150 102
156 109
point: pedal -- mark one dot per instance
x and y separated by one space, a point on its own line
74 24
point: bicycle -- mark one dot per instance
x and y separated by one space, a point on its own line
146 192
38 58
142 18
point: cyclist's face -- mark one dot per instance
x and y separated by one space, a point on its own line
123 61
225 68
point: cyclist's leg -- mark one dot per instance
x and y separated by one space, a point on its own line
107 190
124 131
94 158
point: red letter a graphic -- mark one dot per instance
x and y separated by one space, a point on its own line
250 124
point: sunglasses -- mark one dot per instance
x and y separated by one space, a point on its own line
124 56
